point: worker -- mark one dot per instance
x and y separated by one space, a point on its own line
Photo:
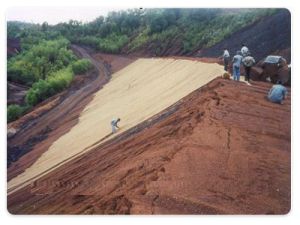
226 58
236 66
277 93
114 125
244 50
248 62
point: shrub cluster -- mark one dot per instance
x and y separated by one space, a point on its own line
39 61
15 111
44 89
81 66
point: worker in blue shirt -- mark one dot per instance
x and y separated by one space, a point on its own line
277 93
236 66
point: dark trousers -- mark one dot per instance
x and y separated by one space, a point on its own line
226 62
247 71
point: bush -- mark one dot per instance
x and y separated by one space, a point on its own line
59 80
81 66
89 40
44 89
112 43
158 23
14 112
20 71
40 61
140 40
40 91
32 97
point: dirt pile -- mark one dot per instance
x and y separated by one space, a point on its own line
222 149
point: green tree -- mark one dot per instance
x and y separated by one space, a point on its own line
14 112
40 61
81 66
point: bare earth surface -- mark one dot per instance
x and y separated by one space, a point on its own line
189 143
223 149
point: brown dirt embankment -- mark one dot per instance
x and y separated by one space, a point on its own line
223 149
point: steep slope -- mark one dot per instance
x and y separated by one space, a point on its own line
137 92
268 36
222 149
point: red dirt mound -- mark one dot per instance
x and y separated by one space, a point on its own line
223 149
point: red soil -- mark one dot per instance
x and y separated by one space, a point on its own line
223 149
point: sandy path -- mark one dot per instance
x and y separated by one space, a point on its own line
135 93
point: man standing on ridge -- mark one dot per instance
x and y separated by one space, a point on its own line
244 50
226 57
114 125
236 66
248 62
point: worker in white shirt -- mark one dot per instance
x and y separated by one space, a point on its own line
114 125
226 58
244 50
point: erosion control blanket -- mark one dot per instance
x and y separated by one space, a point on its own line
134 94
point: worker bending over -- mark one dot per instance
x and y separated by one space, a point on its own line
114 125
277 93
